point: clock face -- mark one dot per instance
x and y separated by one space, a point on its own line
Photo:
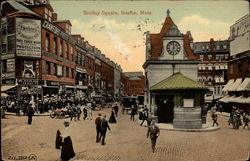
173 47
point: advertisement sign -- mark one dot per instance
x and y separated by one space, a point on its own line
8 75
10 65
27 81
28 71
188 102
28 37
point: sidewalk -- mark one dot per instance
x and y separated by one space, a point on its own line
164 126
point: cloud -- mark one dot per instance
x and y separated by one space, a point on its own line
203 29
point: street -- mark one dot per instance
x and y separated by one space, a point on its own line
125 142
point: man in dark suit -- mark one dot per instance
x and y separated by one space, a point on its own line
98 121
103 129
30 113
153 132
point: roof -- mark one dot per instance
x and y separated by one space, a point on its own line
63 21
177 81
156 41
20 8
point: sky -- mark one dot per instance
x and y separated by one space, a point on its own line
121 37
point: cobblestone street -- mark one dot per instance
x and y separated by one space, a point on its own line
126 142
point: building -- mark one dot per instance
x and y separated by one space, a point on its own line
134 83
117 80
168 52
41 57
212 69
238 86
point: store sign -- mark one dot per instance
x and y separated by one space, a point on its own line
8 75
10 65
80 70
27 81
7 56
55 30
28 37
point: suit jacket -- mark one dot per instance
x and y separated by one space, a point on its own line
98 121
104 125
153 131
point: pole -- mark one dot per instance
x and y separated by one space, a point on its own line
37 73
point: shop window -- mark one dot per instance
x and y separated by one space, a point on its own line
47 43
47 67
55 69
55 45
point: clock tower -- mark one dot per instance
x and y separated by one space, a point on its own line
172 45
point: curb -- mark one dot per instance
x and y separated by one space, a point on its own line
13 114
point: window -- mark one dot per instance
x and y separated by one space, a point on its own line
226 56
207 47
55 45
47 43
47 67
72 54
55 69
68 29
210 67
225 66
231 69
239 65
217 57
209 56
72 73
83 60
67 50
48 14
11 43
203 48
67 71
4 65
217 66
217 47
201 57
10 26
61 48
224 47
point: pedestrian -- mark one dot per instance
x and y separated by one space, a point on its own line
103 129
67 151
230 121
78 109
116 108
132 117
214 117
18 108
144 116
98 127
73 113
90 116
85 112
153 132
112 116
245 120
30 113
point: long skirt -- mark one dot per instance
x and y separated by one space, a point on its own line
112 119
67 151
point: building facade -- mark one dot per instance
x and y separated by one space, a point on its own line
134 83
212 69
41 57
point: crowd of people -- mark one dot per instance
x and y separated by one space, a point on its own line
235 118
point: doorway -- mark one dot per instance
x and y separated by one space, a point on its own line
165 110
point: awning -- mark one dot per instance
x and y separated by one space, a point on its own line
227 86
5 88
68 86
245 85
225 99
210 98
235 85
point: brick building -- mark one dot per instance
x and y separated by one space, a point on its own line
134 83
41 57
212 69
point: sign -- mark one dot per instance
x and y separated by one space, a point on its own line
55 30
8 75
50 83
80 70
188 102
28 71
28 37
27 82
7 56
10 65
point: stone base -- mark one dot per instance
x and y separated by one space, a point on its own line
187 118
187 124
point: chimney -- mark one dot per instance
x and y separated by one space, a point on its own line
212 45
54 17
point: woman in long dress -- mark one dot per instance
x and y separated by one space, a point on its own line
67 151
112 118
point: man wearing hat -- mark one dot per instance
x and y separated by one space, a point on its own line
153 132
30 113
98 121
